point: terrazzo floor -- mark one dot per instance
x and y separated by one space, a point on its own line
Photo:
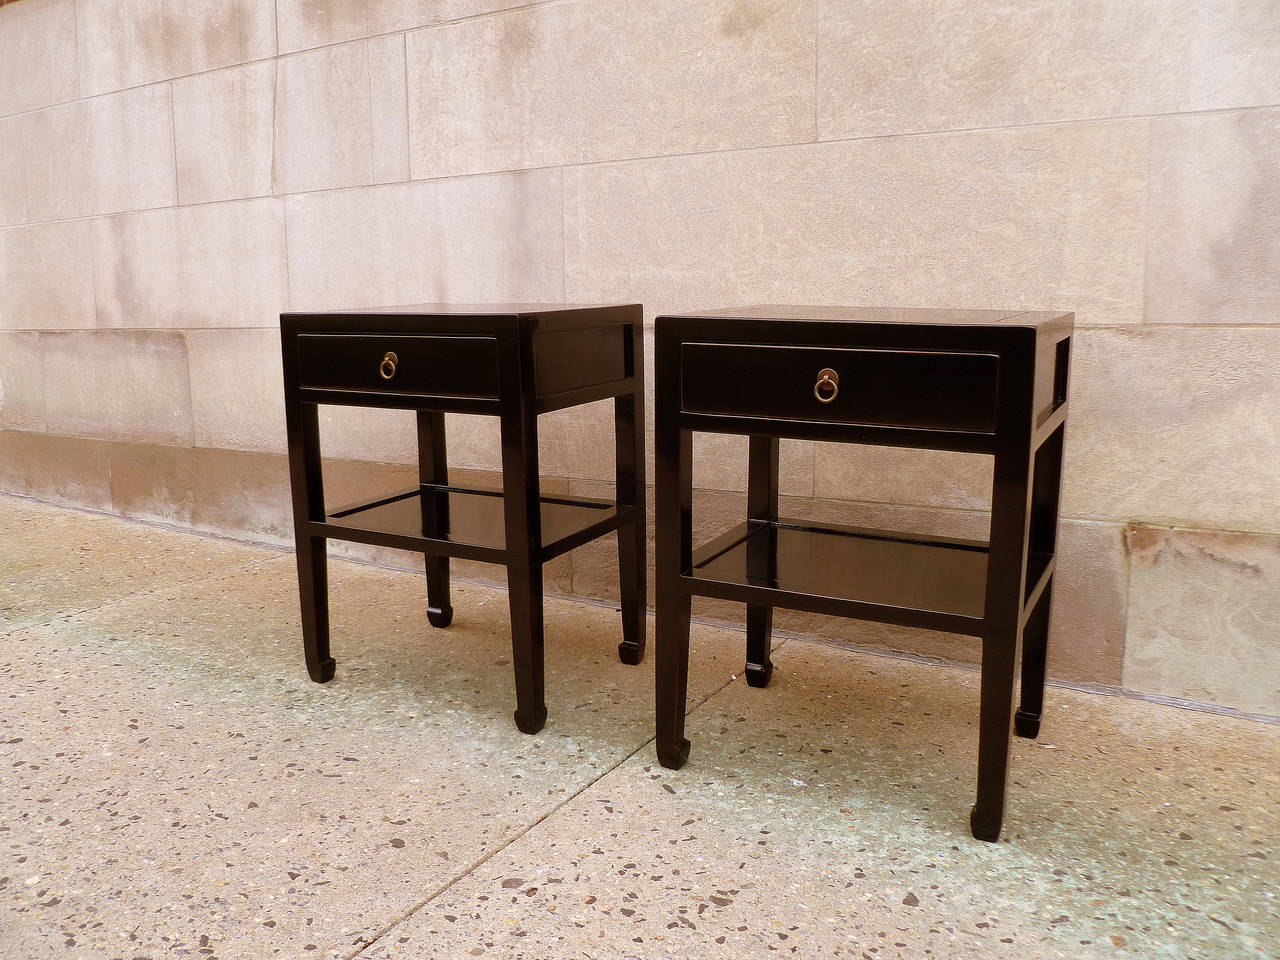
174 786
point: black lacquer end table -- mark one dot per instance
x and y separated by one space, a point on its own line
983 381
510 361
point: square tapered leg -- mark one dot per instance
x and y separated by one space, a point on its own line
433 469
762 504
632 535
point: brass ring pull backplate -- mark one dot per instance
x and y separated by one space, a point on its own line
387 368
828 380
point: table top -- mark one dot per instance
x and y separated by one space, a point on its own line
461 309
402 318
877 315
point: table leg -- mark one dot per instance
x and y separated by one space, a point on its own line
632 590
999 655
302 423
628 413
1046 488
671 636
433 468
523 515
762 504
674 535
1006 570
313 593
1035 649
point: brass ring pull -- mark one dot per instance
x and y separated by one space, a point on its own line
387 368
828 379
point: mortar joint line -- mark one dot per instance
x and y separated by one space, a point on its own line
520 834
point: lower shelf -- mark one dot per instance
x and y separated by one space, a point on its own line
469 519
880 575
889 570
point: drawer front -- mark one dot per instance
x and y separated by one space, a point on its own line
427 365
901 388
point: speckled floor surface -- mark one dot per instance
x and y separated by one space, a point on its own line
174 786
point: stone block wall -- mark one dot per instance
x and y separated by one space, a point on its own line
173 175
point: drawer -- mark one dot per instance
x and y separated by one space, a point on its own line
427 365
901 388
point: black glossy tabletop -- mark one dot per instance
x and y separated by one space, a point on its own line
461 309
856 314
